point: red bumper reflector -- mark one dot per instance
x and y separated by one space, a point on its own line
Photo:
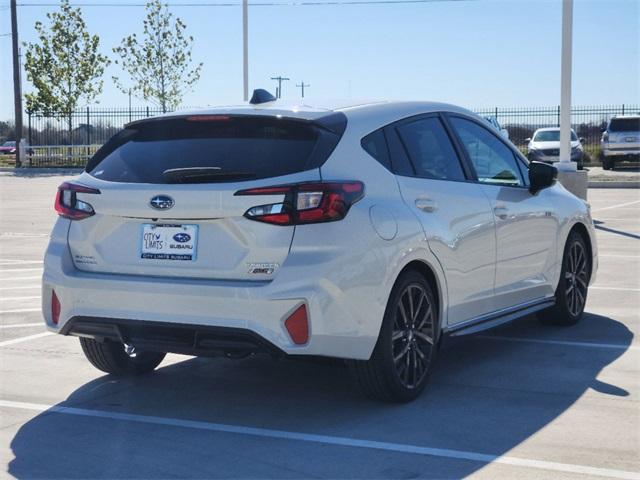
298 325
55 308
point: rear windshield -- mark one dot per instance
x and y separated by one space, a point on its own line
625 125
208 149
552 136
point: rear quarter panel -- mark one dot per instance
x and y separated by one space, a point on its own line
360 257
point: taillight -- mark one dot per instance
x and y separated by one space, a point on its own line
55 308
305 203
67 204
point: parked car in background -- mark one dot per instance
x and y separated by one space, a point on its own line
620 141
365 232
496 124
544 146
8 148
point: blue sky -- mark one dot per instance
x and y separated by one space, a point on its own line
474 53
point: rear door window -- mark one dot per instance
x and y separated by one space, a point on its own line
429 148
203 149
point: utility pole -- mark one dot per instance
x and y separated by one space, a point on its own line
245 49
280 79
302 87
17 90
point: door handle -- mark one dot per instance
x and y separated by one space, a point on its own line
426 204
501 212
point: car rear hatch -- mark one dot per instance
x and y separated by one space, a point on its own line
624 133
167 203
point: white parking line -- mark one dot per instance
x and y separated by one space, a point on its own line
326 439
615 346
618 256
21 310
21 278
22 325
20 298
2 270
621 289
24 339
23 235
20 262
22 287
615 206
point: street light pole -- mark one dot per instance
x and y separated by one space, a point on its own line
245 49
565 88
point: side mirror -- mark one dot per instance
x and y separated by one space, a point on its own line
541 176
527 140
582 140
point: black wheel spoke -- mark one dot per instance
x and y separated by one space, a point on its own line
576 279
412 337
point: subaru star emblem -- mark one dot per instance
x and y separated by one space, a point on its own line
182 237
161 202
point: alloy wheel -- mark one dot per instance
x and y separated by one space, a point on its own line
576 279
412 338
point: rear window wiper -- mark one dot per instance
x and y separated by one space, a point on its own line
203 175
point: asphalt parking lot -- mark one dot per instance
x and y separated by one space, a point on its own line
523 401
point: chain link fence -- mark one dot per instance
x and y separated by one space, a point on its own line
69 139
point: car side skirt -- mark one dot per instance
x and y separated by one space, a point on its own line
497 318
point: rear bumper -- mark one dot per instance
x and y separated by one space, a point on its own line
172 337
620 152
343 326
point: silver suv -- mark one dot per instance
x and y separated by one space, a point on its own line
620 141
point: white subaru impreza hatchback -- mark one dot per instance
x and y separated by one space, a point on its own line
368 233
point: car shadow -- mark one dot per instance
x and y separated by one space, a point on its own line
487 396
599 224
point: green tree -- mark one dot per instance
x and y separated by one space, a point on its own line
160 63
64 67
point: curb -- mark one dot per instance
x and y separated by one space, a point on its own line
605 184
38 171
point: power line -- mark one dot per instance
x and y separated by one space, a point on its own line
293 3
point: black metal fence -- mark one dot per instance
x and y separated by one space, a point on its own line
586 121
88 126
69 139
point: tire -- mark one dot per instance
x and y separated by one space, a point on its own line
410 338
573 287
113 358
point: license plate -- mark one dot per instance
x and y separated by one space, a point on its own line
631 139
168 242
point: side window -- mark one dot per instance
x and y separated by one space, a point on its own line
376 145
430 150
493 160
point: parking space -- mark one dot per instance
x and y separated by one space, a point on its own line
522 401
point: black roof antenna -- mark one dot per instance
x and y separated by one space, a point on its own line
260 95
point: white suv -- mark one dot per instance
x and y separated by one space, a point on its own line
620 141
367 233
